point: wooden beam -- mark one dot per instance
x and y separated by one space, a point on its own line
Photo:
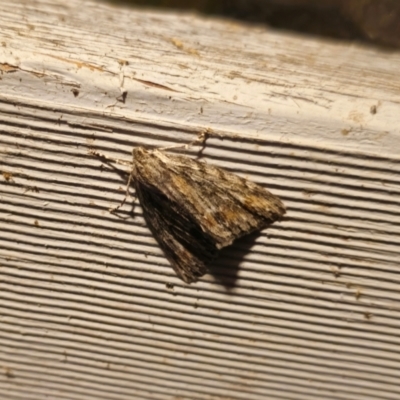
89 306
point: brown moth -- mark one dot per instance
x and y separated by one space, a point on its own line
194 209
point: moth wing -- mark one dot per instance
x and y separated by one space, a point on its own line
194 209
224 205
182 240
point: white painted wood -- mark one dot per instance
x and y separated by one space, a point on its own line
85 312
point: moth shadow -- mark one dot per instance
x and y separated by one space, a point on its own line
225 267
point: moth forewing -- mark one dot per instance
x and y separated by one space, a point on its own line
193 208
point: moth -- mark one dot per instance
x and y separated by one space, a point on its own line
195 209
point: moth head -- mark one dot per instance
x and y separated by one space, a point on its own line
139 152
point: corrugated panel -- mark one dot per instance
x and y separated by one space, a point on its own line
86 310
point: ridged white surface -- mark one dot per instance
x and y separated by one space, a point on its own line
89 306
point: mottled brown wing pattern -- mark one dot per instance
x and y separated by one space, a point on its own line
223 205
194 209
186 246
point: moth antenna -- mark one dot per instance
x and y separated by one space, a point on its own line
199 141
176 146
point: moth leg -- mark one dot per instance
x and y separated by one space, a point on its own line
127 193
110 159
121 162
201 140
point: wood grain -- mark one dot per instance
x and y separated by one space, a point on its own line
89 306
